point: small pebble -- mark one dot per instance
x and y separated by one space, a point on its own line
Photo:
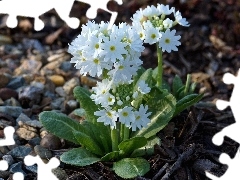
16 82
51 142
60 173
60 91
70 85
43 152
20 151
26 134
13 111
57 80
9 159
17 167
4 80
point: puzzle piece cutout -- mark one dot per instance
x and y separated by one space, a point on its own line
232 131
34 9
8 133
44 170
8 140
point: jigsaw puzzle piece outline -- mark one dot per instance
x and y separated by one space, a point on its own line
44 170
8 134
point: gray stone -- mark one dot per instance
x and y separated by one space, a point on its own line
50 141
17 167
34 123
13 111
9 159
60 173
69 85
16 82
43 152
32 168
66 66
20 151
60 91
57 103
4 174
22 118
35 141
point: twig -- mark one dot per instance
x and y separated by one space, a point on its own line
185 155
160 172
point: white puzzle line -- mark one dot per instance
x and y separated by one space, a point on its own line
231 131
35 8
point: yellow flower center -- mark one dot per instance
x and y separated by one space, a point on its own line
109 114
167 41
112 48
153 36
96 61
125 114
137 118
96 46
121 67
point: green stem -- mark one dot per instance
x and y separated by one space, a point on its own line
126 133
160 67
114 137
187 84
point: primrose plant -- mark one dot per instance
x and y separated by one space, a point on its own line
130 105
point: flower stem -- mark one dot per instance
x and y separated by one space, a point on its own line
114 137
126 133
160 67
187 84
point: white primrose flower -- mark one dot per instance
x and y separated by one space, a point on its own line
167 23
143 87
169 41
94 66
108 117
138 16
152 34
141 118
164 9
113 48
180 20
123 71
100 92
93 45
133 41
139 29
150 11
126 116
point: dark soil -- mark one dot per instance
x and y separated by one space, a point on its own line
210 47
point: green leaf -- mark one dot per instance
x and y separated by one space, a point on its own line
114 155
101 134
176 84
88 143
83 96
148 149
186 102
80 112
162 105
61 125
131 167
129 145
147 77
79 157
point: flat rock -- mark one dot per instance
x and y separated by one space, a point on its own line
43 152
20 151
26 134
13 111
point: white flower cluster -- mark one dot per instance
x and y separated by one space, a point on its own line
153 26
118 108
113 54
115 51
